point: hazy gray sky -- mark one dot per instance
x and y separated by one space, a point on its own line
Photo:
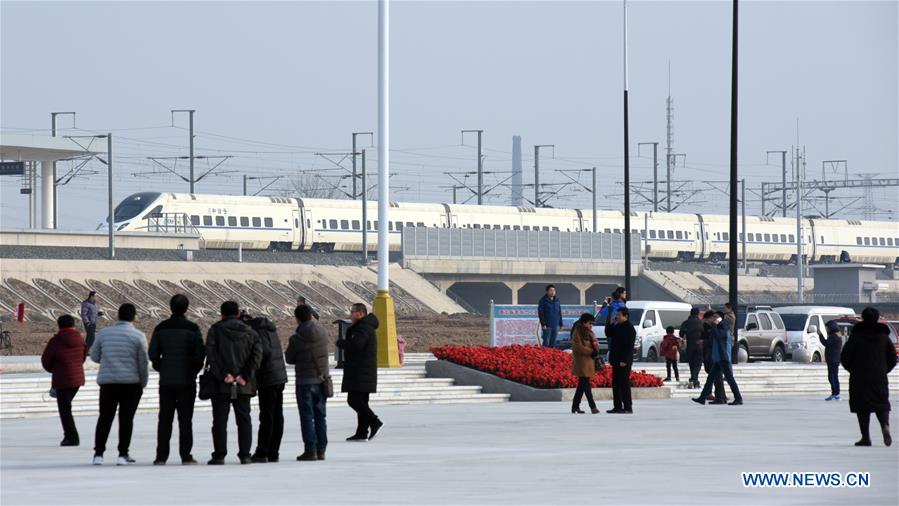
275 82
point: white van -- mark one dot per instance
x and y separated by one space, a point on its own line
803 324
650 319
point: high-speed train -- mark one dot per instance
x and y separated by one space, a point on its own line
327 225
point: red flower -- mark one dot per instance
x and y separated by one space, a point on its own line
534 366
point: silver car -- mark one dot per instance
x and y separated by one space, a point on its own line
762 334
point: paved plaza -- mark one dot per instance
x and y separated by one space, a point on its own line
670 452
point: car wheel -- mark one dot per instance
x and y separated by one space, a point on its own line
743 354
778 354
652 356
816 357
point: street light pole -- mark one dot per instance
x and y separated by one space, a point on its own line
388 351
627 175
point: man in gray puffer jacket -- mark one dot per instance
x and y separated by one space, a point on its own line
121 351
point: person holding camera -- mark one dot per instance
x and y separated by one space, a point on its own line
549 310
584 350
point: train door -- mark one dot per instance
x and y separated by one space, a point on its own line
699 228
297 227
307 228
813 245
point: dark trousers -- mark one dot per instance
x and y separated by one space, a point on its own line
121 397
64 397
718 369
90 330
621 387
549 336
312 402
864 419
271 421
669 363
694 357
833 376
365 417
221 409
718 382
174 398
583 389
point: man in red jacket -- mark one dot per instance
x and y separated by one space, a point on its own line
64 358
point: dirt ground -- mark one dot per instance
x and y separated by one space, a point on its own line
420 333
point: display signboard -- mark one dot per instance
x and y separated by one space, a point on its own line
12 168
519 324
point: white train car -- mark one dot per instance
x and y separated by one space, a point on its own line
865 241
768 239
336 225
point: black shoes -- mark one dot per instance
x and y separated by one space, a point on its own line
698 400
887 438
375 427
246 460
308 456
614 411
357 437
189 462
158 462
259 459
578 411
736 402
321 455
69 442
216 462
863 442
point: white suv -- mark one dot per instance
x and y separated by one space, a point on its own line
803 324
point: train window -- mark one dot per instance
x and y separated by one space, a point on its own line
410 224
356 225
399 225
617 231
477 225
867 241
268 223
774 238
367 225
207 221
296 223
308 223
232 221
244 221
783 238
767 237
390 226
220 221
194 220
375 224
556 229
506 227
332 224
883 242
671 234
257 221
679 234
496 227
516 227
740 236
792 238
421 224
652 234
889 241
607 231
344 224
642 234
726 236
526 227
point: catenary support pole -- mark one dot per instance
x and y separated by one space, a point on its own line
732 293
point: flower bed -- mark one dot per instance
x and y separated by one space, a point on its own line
534 366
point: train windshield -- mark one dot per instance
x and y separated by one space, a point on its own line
134 205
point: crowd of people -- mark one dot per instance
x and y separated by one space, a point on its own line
708 340
240 358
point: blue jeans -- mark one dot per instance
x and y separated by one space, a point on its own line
311 401
549 336
833 375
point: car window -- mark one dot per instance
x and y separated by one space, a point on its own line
794 322
752 319
765 321
651 315
775 318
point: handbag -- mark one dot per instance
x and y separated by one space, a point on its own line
207 385
327 382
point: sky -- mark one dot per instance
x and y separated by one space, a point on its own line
275 84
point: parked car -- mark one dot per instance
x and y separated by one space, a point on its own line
848 322
650 318
762 334
803 324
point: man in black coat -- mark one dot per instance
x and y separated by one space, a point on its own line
270 380
869 356
360 370
233 353
308 351
622 336
177 353
691 329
